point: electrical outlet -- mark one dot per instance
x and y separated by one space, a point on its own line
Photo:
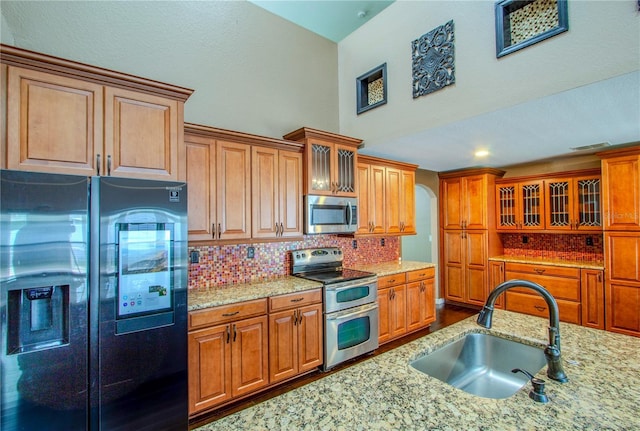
194 257
525 239
589 240
354 244
251 252
382 242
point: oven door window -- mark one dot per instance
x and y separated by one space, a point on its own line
353 294
353 332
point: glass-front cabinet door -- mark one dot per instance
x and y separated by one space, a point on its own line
332 169
520 206
573 204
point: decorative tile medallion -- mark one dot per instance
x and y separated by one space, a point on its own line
433 60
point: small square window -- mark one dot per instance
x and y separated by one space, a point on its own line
371 89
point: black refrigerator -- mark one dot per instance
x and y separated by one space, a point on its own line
93 303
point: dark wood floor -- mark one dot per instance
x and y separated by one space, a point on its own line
445 315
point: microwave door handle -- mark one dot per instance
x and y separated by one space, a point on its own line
349 214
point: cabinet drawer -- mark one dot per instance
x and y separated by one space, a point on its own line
555 271
391 280
536 306
420 274
560 288
227 313
294 300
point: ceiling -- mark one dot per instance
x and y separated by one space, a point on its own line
331 19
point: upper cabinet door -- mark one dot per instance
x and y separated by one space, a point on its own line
201 180
573 204
331 169
520 206
141 135
233 178
621 192
474 210
451 195
54 123
290 193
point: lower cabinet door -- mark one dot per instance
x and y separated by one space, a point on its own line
249 355
310 337
209 367
283 345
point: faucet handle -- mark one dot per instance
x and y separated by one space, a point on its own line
537 392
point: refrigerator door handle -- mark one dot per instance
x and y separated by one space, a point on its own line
109 165
98 162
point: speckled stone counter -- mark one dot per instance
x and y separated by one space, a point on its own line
550 261
385 393
213 296
394 267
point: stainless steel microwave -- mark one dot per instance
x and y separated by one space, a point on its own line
330 214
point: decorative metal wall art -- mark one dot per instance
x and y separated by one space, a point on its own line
371 89
433 60
522 23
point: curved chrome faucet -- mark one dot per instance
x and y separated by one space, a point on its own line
552 352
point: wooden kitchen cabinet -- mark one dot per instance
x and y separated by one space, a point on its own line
67 117
330 162
228 353
564 283
371 198
218 176
386 197
573 203
276 184
592 297
295 334
392 291
465 266
621 189
622 254
496 277
421 301
520 205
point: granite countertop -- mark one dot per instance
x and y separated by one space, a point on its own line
394 267
584 264
207 297
385 393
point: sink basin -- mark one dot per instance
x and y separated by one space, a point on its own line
481 364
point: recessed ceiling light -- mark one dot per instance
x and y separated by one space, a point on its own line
481 153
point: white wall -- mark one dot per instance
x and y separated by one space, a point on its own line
251 70
602 42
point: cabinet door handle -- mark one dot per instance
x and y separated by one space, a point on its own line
228 334
295 317
230 314
538 270
281 229
109 165
299 317
539 307
297 300
234 333
219 231
98 163
213 230
600 277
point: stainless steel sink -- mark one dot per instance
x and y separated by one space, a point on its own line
481 364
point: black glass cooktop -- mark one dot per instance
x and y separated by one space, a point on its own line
345 274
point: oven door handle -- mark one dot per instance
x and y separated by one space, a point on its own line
372 282
352 312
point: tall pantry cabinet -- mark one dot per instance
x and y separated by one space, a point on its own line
467 233
621 206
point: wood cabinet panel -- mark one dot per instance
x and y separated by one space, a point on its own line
573 203
200 157
290 194
310 337
496 277
623 308
592 294
283 346
233 200
622 252
621 192
536 306
141 135
371 198
209 368
420 304
559 287
384 315
294 300
226 313
249 355
398 313
520 205
54 123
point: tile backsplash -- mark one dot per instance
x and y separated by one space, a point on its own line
229 264
555 246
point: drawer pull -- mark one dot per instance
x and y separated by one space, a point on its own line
230 314
538 270
297 300
539 307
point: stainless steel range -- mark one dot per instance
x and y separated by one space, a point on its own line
350 303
